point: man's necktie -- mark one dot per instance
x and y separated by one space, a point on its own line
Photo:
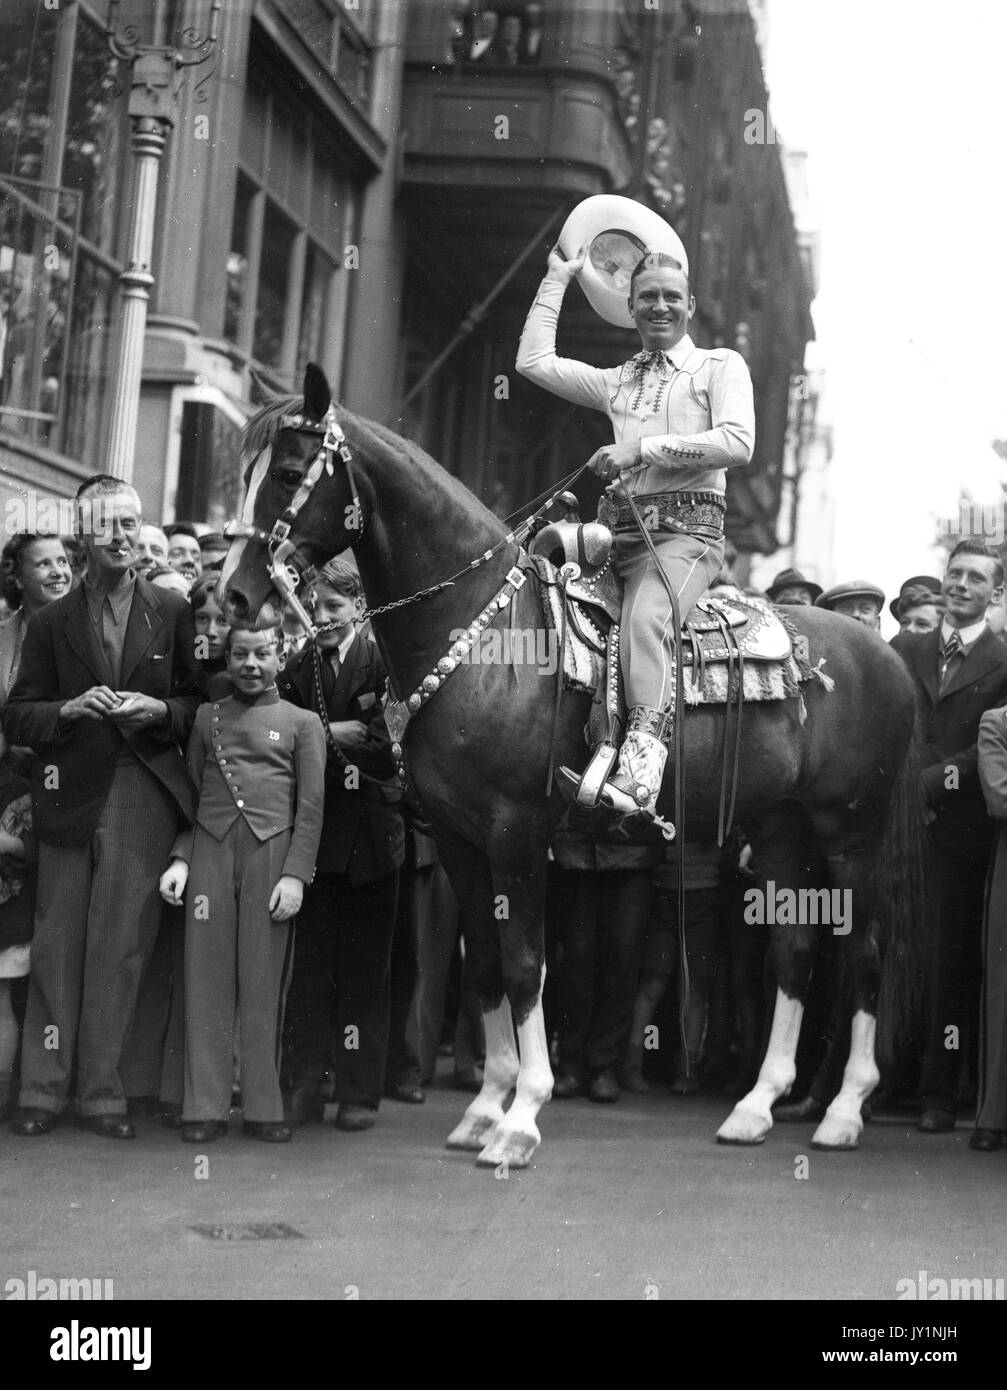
951 657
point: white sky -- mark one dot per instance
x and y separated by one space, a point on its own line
902 108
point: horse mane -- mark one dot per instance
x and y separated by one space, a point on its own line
400 451
262 429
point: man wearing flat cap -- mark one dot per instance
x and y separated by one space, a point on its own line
858 599
791 588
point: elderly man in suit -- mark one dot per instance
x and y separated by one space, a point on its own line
107 690
960 670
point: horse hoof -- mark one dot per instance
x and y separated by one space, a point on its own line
744 1127
838 1132
514 1150
472 1134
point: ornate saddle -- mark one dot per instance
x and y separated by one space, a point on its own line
578 562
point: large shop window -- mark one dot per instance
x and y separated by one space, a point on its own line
58 227
293 217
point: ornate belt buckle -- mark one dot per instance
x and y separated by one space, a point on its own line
516 576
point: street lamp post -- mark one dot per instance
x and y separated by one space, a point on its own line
153 94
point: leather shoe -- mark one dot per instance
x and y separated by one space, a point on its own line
108 1126
202 1131
986 1140
566 1086
355 1117
408 1095
800 1111
936 1121
269 1131
32 1121
303 1105
605 1087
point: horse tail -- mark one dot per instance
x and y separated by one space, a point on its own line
901 908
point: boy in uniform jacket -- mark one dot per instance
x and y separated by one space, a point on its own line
258 764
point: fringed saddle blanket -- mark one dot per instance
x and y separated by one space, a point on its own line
775 659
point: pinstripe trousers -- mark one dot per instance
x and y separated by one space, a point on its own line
235 954
647 636
96 919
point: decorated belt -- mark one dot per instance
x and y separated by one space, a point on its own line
702 512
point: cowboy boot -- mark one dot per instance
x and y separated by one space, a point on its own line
637 780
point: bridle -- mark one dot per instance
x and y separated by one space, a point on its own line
279 546
284 575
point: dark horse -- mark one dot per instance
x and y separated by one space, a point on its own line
839 788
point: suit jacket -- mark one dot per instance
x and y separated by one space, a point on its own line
11 637
363 836
950 729
62 658
263 762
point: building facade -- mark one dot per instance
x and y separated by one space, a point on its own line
374 186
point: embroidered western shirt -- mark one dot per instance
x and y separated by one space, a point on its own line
691 408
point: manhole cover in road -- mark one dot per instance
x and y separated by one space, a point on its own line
253 1230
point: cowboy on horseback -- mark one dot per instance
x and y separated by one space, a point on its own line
682 416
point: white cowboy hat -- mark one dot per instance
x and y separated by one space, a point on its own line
618 232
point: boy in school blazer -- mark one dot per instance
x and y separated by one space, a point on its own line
346 925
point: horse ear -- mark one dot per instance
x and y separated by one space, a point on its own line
317 392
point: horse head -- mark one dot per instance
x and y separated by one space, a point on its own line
300 506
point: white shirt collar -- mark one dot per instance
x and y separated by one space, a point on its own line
342 651
968 635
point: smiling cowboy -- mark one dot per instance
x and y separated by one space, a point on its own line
681 416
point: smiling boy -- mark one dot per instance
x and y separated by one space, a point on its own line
258 763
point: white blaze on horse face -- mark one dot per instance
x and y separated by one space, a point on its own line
237 549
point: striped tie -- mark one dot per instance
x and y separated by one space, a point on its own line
951 648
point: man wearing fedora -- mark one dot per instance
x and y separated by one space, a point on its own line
960 670
791 588
682 416
858 599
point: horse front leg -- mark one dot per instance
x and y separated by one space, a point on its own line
485 1114
469 872
520 907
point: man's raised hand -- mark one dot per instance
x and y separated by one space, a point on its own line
562 270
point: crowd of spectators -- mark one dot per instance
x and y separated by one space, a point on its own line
177 792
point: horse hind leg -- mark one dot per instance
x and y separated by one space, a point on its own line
843 1123
752 1118
780 859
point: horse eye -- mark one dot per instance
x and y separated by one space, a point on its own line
288 477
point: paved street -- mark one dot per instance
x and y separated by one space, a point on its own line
618 1197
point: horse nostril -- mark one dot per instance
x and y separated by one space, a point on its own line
236 605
